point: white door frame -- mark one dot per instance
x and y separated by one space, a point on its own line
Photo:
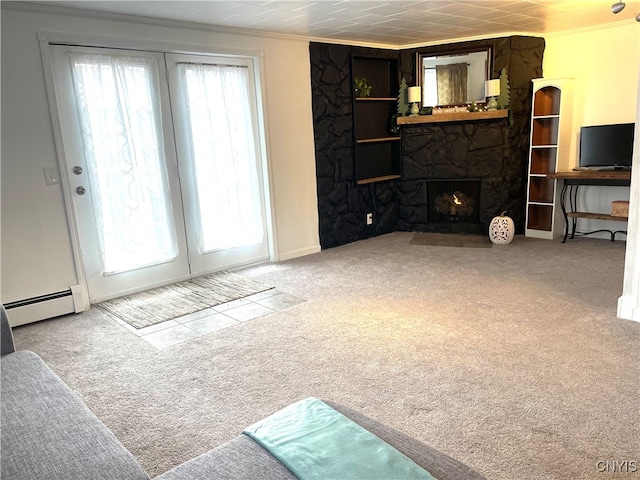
257 57
101 285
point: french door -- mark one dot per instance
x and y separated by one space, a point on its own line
164 169
222 191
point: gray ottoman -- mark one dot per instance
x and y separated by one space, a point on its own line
242 458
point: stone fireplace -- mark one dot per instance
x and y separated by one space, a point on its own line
491 152
474 158
452 205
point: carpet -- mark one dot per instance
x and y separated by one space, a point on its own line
450 240
511 360
155 306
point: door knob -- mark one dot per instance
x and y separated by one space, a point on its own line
81 190
77 170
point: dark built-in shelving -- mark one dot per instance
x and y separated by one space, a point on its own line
377 149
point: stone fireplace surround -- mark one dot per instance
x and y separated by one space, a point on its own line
493 151
459 151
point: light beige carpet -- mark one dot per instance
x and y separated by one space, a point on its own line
450 240
509 359
172 301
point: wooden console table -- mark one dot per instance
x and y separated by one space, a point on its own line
572 180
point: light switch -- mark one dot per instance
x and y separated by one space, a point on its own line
51 176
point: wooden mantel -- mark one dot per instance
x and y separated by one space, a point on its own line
452 117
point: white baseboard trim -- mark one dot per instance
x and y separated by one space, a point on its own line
80 298
301 252
628 308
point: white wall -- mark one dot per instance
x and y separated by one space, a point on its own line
36 247
604 64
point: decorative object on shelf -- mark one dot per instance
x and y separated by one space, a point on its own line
491 91
426 110
501 229
437 111
474 107
505 90
362 89
620 208
415 95
394 128
403 103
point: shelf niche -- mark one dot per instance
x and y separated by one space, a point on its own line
377 150
543 160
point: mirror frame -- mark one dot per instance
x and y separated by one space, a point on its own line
448 51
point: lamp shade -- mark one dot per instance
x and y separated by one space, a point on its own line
414 94
492 88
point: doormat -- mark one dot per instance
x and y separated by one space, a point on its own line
451 240
155 306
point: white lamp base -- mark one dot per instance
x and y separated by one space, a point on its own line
492 104
414 111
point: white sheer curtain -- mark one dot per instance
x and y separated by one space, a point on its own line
119 113
224 153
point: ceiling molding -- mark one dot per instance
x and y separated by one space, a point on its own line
48 8
52 8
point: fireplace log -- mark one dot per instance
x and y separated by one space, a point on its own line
457 204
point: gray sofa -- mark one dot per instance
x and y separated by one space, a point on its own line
48 433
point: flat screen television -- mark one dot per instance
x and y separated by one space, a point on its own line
606 146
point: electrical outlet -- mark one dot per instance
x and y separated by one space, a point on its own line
51 176
369 218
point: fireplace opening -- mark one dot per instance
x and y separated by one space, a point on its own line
454 202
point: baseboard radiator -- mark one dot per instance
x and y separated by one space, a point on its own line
44 306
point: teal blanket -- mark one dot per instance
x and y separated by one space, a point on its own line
315 441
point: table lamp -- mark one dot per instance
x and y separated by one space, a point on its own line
415 95
492 90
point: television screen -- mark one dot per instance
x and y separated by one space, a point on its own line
606 145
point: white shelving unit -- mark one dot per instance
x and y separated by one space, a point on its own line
548 153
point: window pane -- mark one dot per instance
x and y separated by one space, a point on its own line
118 107
223 146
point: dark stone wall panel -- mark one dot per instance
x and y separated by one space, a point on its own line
496 152
343 205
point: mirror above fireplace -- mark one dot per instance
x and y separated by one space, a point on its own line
453 77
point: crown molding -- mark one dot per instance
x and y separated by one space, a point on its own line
48 8
52 9
592 28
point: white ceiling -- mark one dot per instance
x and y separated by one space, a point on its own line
393 23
